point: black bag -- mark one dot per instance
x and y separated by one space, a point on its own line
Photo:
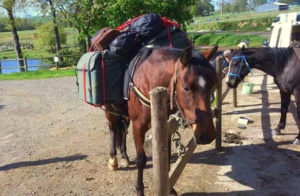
177 38
140 31
125 44
147 26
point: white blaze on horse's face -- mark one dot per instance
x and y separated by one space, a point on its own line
229 66
201 82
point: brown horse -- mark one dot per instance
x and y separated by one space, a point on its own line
189 78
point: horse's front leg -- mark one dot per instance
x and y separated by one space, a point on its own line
141 158
285 102
297 98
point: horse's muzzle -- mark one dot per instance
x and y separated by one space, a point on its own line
204 133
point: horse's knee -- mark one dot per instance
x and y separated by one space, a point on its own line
141 160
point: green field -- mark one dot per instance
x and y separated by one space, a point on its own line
41 74
245 21
224 39
30 37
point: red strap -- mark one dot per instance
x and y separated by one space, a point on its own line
103 80
126 24
167 22
84 87
169 37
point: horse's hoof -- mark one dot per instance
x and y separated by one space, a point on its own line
296 141
276 132
113 164
140 193
173 192
124 162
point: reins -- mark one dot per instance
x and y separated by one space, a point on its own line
243 63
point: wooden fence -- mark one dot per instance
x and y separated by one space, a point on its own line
56 64
164 178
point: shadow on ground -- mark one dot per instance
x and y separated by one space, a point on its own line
42 162
265 169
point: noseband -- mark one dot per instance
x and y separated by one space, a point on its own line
243 63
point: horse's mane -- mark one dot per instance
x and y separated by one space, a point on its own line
280 56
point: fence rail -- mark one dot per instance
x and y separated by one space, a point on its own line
26 66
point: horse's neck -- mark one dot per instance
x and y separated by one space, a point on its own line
261 61
268 60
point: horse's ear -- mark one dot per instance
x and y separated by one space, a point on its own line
208 54
186 55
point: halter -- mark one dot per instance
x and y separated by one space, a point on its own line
243 63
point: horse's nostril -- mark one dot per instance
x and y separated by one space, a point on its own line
203 139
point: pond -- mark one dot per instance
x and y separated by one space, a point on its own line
11 66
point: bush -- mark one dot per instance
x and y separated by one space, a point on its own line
45 36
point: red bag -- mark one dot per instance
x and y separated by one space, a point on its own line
104 38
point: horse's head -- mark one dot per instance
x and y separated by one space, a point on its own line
196 80
238 68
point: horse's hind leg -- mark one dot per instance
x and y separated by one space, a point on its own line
112 162
123 148
297 98
285 102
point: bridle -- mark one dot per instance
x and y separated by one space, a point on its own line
243 63
173 98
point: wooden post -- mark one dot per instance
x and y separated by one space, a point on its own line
0 67
158 97
219 105
25 64
234 98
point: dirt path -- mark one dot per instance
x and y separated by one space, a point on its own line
51 143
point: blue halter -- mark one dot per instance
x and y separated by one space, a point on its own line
243 62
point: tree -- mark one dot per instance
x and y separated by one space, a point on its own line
46 38
118 11
239 5
88 16
205 7
85 15
9 5
45 5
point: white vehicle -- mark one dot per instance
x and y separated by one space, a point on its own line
285 29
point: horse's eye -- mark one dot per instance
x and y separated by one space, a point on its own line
187 88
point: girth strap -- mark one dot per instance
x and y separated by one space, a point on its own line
143 99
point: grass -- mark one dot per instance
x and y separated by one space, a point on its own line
41 74
244 21
223 39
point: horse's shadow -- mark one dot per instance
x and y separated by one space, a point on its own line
264 169
42 162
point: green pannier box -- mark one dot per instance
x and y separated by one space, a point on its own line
92 87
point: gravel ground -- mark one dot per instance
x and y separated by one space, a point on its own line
54 144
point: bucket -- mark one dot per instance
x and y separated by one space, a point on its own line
247 88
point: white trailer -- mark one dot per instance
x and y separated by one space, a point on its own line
285 29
